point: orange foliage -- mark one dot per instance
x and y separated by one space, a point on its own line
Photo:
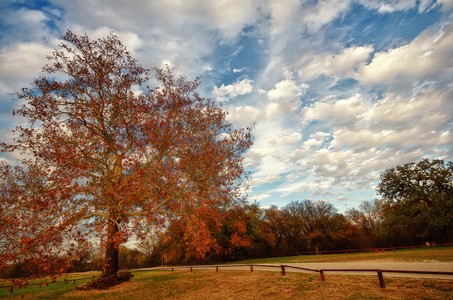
105 160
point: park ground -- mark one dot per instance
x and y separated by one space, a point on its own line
242 284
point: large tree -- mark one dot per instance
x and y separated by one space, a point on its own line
419 198
104 154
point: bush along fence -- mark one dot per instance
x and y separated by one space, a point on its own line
284 268
374 250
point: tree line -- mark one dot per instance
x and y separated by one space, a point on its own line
416 206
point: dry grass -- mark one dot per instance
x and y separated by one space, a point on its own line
266 285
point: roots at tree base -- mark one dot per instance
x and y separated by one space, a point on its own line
107 282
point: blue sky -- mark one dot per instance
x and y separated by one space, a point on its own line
340 90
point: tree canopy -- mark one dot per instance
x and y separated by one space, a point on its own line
106 156
419 197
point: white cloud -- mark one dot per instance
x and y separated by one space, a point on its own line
284 98
344 64
260 197
340 112
242 115
238 88
291 138
267 179
323 12
427 57
446 4
20 63
389 6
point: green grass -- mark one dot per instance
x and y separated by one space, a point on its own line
442 254
51 291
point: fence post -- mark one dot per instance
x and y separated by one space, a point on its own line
217 268
381 279
321 272
283 270
172 270
345 252
413 248
251 268
190 269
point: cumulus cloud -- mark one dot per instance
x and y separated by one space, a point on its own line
291 138
20 63
427 57
339 111
344 64
266 179
310 141
238 88
242 115
323 12
284 98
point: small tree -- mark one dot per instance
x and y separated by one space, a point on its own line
105 156
419 198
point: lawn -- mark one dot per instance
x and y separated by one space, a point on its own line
51 291
208 284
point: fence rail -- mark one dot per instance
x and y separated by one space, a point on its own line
321 272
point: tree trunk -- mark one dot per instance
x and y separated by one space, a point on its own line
111 259
316 248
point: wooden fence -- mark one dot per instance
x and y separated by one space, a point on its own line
284 268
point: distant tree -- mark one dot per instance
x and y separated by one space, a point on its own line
368 217
343 234
315 219
419 198
149 245
275 226
103 154
131 258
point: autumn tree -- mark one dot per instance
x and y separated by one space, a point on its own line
229 228
418 197
368 216
314 219
103 154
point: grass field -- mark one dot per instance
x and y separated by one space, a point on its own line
404 255
256 285
227 284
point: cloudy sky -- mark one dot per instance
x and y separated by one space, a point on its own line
340 90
